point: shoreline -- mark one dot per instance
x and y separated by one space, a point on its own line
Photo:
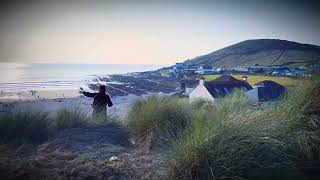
120 108
43 94
127 89
139 84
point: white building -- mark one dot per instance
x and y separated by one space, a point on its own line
205 70
188 85
218 88
201 92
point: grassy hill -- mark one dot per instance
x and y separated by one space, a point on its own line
263 52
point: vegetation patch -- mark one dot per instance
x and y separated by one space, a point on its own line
69 117
162 118
32 126
237 140
22 126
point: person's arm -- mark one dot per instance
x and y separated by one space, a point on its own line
87 94
109 102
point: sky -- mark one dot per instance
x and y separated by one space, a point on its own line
145 32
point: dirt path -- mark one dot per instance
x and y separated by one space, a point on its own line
102 152
100 142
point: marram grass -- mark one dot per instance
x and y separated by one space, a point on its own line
33 126
69 117
163 118
237 140
20 126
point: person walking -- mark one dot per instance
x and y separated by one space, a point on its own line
100 102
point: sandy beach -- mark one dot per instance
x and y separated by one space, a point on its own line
53 100
51 95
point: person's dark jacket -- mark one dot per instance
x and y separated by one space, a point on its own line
100 101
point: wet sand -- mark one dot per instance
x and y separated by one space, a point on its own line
14 96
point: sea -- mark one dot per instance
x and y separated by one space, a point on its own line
34 76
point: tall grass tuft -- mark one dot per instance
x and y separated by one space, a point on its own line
21 126
32 126
163 118
201 104
236 140
69 117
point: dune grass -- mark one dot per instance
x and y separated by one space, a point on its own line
34 126
69 117
236 140
22 126
253 79
162 118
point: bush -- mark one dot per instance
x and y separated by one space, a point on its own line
163 118
201 104
233 103
299 114
31 126
24 126
69 117
236 140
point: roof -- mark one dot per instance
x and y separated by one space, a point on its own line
268 83
224 78
190 82
270 90
224 85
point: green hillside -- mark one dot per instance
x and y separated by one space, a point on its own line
261 52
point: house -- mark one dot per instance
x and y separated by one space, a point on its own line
240 69
299 71
188 85
266 91
205 69
245 78
217 70
191 69
281 71
178 68
218 88
255 70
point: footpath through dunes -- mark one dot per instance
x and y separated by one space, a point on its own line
100 141
93 152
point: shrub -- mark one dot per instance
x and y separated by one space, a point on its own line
236 140
301 105
32 126
233 103
201 104
24 126
163 118
299 114
69 117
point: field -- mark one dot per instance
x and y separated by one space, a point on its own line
253 79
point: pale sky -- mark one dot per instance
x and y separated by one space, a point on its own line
145 32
